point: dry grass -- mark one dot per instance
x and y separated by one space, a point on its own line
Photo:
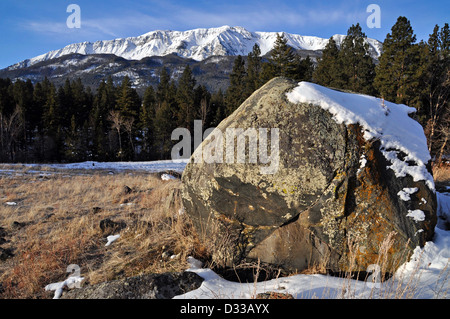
441 173
56 223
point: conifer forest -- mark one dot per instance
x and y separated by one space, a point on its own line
40 122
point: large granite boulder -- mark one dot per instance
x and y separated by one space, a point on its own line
331 188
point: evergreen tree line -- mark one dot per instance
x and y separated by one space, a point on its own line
44 123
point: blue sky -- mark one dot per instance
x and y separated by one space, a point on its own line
33 27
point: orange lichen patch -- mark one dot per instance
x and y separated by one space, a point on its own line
370 243
369 225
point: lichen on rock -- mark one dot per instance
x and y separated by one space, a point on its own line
320 198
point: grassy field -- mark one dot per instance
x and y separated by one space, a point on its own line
50 220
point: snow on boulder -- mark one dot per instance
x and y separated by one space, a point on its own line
343 166
402 139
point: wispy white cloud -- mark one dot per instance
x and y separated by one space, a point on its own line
115 27
260 17
182 17
46 27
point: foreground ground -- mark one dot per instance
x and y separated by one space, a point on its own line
50 219
53 217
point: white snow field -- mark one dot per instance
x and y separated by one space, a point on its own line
149 167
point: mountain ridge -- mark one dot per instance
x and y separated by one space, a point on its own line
197 44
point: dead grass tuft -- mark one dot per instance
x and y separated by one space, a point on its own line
441 173
56 223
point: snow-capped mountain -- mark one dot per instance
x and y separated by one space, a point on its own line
197 44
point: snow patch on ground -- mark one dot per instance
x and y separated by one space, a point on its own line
71 282
111 239
11 203
167 177
150 167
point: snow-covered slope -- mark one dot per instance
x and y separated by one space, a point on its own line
197 44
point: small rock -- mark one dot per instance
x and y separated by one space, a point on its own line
126 190
167 253
5 253
95 210
148 286
108 226
17 225
274 295
48 216
177 256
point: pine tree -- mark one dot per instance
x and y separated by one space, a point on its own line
81 102
128 104
302 69
11 127
72 142
52 124
436 97
163 130
236 92
128 101
398 71
357 67
202 100
282 57
217 107
268 72
23 98
162 91
36 118
147 122
6 97
328 68
185 99
166 114
254 61
104 101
